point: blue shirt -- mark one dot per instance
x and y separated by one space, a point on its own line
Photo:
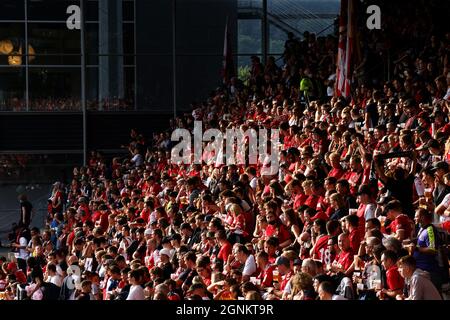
426 238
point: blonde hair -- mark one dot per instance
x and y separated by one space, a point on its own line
338 198
301 281
235 209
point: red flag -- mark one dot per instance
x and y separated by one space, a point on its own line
345 48
228 65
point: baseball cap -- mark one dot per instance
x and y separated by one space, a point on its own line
166 252
440 165
148 232
282 261
297 262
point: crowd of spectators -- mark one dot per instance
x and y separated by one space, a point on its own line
359 209
66 104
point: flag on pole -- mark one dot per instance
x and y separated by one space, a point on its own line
228 65
345 48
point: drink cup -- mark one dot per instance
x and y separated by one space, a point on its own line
276 276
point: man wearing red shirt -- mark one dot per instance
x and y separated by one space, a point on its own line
278 229
337 171
270 247
394 281
20 276
344 259
355 175
398 219
298 196
266 269
286 273
84 209
145 213
225 245
352 226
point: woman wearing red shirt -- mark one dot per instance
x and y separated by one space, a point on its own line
320 240
236 222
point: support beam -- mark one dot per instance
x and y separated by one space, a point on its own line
265 31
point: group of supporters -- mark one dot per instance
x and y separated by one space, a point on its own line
66 104
359 208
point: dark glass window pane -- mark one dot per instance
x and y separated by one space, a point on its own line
155 83
12 10
128 10
92 43
114 101
12 89
130 87
12 41
55 89
91 9
54 38
128 60
128 38
50 10
56 59
92 88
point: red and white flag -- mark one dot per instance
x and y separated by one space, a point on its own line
345 48
228 65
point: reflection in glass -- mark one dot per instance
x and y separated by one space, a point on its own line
12 43
12 89
55 89
54 38
249 36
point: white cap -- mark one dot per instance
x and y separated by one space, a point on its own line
166 252
148 232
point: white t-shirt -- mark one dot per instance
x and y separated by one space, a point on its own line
23 253
56 280
138 160
338 297
136 293
446 203
253 183
250 266
369 213
245 206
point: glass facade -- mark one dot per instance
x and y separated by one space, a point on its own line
283 16
133 58
51 78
